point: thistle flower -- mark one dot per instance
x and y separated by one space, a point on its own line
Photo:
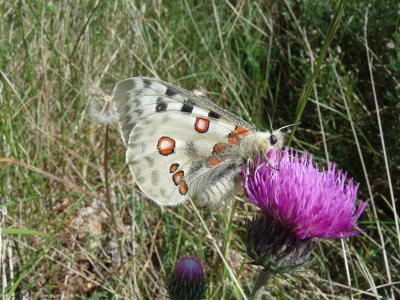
298 203
187 281
314 204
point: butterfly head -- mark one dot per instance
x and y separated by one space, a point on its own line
276 139
264 141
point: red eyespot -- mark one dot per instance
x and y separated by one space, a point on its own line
178 177
233 138
214 162
242 131
183 188
173 168
201 125
219 148
166 145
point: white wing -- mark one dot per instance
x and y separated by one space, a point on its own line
139 97
171 136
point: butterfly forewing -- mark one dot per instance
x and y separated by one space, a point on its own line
138 97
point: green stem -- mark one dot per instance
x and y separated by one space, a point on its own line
334 25
262 280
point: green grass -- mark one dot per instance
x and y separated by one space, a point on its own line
60 239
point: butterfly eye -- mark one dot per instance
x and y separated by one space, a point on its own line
273 139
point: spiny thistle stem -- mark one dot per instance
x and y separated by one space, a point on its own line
259 286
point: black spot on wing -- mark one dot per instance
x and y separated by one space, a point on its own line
146 83
161 106
170 93
187 108
214 115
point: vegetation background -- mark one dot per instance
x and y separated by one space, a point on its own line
73 224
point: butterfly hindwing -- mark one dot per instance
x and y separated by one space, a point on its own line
179 145
161 146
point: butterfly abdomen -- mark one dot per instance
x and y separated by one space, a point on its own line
214 187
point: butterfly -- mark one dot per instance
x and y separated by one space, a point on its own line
181 145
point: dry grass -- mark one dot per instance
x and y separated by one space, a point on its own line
74 225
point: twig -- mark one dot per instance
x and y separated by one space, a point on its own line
109 202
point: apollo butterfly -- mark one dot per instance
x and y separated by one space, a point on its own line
181 145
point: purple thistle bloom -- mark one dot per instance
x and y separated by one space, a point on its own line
187 281
304 200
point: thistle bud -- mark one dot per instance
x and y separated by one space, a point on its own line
187 281
276 248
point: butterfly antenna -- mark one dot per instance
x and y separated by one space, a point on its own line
295 124
269 117
270 122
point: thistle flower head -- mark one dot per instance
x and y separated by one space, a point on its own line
187 280
308 202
